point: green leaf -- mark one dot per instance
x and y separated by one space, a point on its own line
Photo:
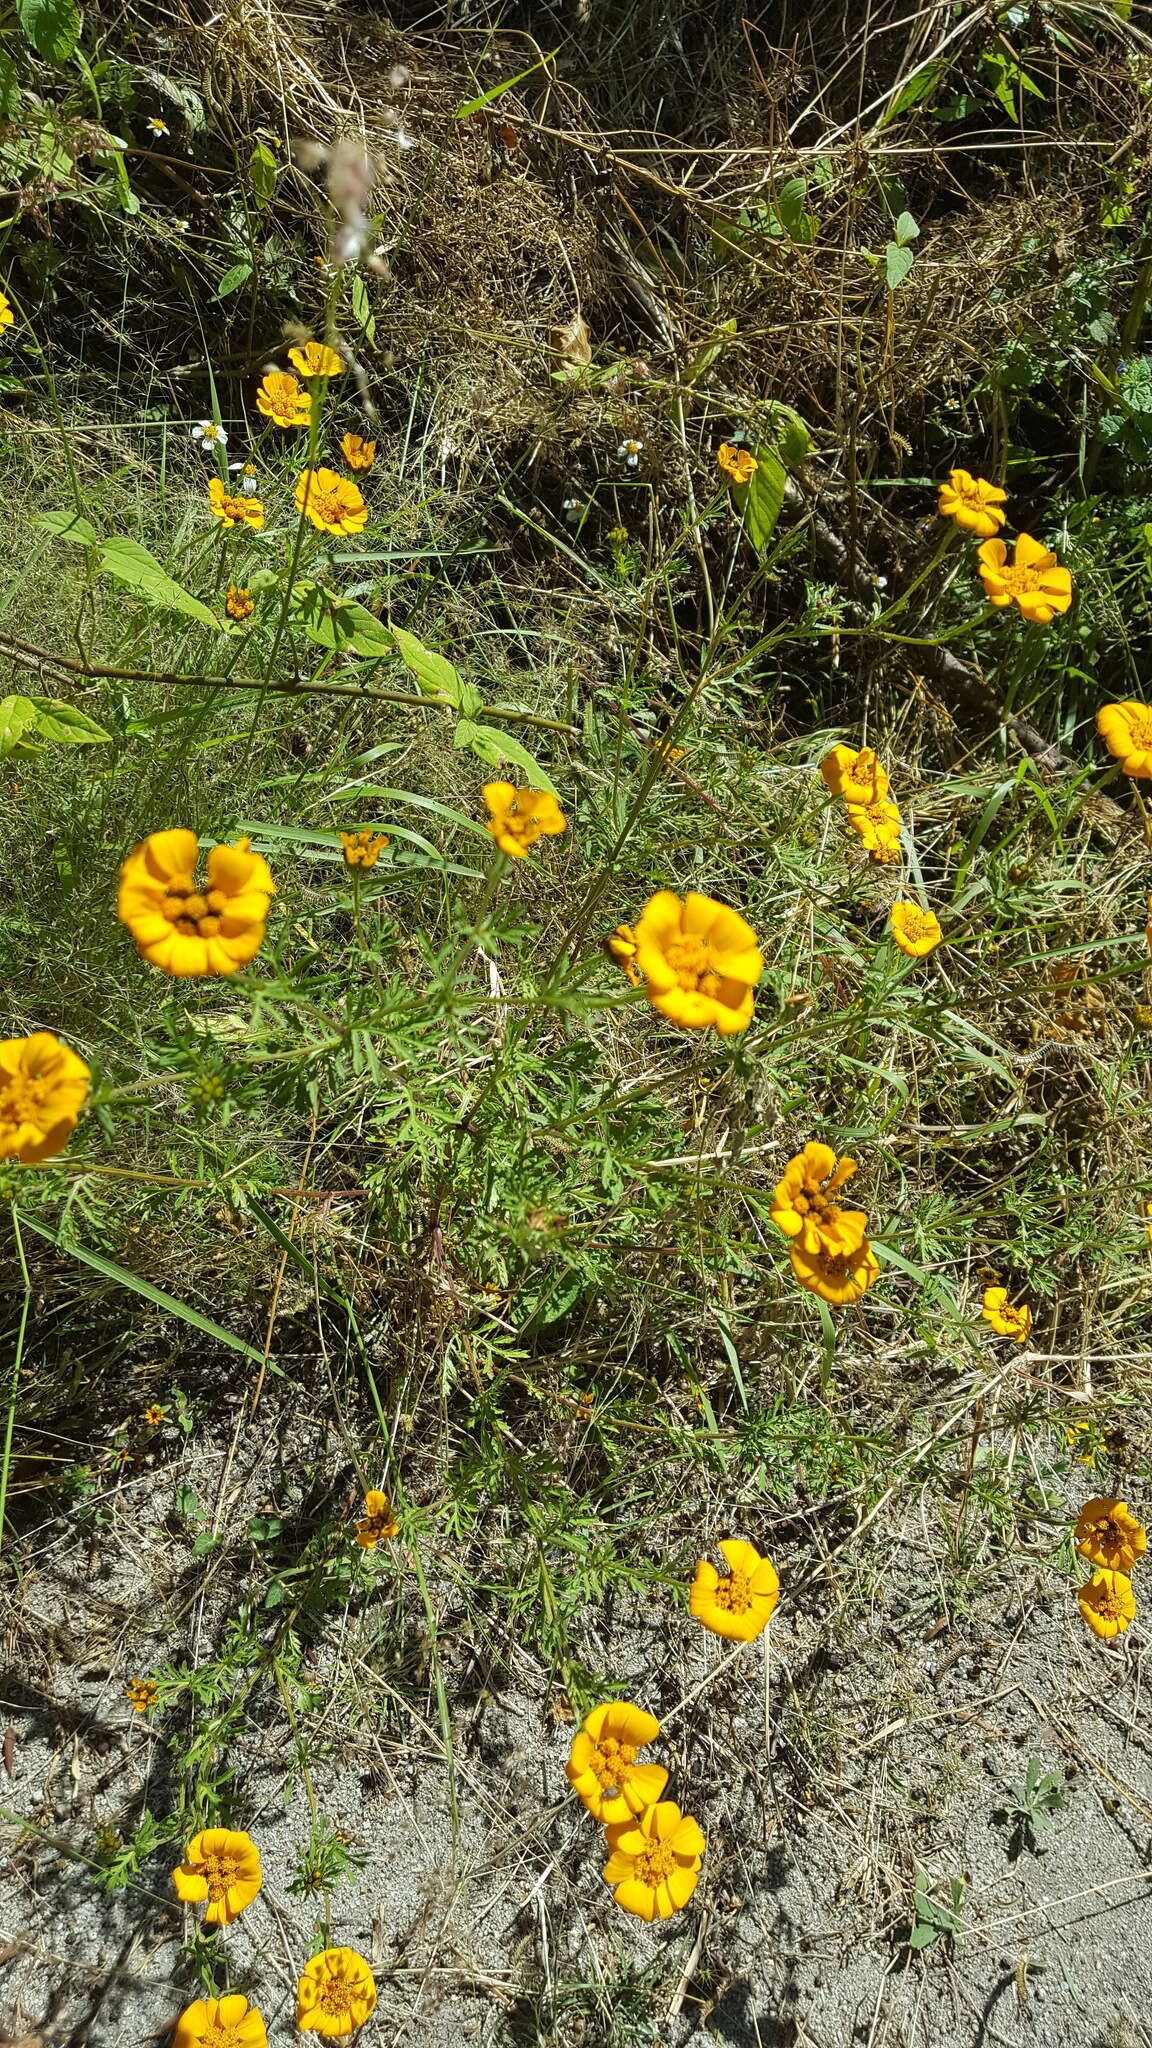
704 357
69 526
921 1935
435 675
916 88
10 93
67 725
905 230
494 91
897 264
765 497
362 309
793 438
233 279
17 714
51 26
797 224
262 168
339 623
129 563
493 748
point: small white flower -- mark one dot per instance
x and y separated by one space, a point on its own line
879 582
631 451
210 434
156 126
181 226
572 509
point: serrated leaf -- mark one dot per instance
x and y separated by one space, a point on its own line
17 714
897 264
69 526
66 724
435 675
493 748
339 622
765 497
233 279
131 564
51 26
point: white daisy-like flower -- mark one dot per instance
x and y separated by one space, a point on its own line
631 452
210 434
181 226
156 125
571 509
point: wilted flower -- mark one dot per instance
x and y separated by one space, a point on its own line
1006 1320
179 928
654 1861
377 1521
141 1694
363 849
856 775
1126 730
620 946
336 1993
736 463
316 359
239 602
208 432
1033 579
222 1866
741 1605
804 1205
602 1767
282 399
915 931
700 961
228 2022
43 1088
972 502
358 454
517 818
230 511
333 503
1108 1536
1107 1603
837 1277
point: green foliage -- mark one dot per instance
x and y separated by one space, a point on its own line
934 1919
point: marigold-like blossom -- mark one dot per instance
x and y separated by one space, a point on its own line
736 462
185 930
228 2022
7 316
1108 1536
333 503
1033 579
230 511
654 1861
363 849
972 502
141 1694
804 1205
1006 1320
239 603
316 359
620 945
517 818
154 1415
358 454
43 1088
915 931
221 1865
741 1605
857 776
1107 1603
700 961
878 825
837 1277
377 1522
1126 730
336 1993
602 1767
283 400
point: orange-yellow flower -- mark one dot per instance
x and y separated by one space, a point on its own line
857 776
915 931
736 462
741 1605
43 1088
878 825
700 961
154 1415
239 603
358 454
517 818
972 502
222 1866
1006 1320
333 503
182 929
654 1861
378 1520
316 359
220 2023
283 400
363 849
1107 1603
837 1277
1108 1536
336 1993
7 316
141 1694
620 945
804 1205
602 1767
230 511
1033 579
1126 730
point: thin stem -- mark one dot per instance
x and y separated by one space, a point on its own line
14 1386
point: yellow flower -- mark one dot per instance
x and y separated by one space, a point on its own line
915 931
1107 1603
315 359
837 1277
654 1861
972 502
333 503
1006 1320
736 462
182 930
602 1767
239 603
282 399
378 1521
220 2023
230 511
620 946
1108 1536
878 825
336 1992
804 1205
141 1694
1148 1215
154 1415
517 818
358 454
700 961
1033 580
857 777
7 316
223 1867
43 1088
618 536
1126 730
740 1606
363 849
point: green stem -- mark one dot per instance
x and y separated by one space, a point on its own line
14 1387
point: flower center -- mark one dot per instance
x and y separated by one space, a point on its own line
216 2036
23 1098
916 925
654 1864
327 506
336 1998
1109 1604
1020 580
692 963
735 1593
1140 727
196 916
612 1760
221 1873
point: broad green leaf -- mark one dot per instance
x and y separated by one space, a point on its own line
765 497
916 88
922 1936
435 675
233 279
10 93
897 264
493 748
129 563
362 309
262 168
17 714
339 622
67 725
799 225
69 526
793 439
905 230
51 26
